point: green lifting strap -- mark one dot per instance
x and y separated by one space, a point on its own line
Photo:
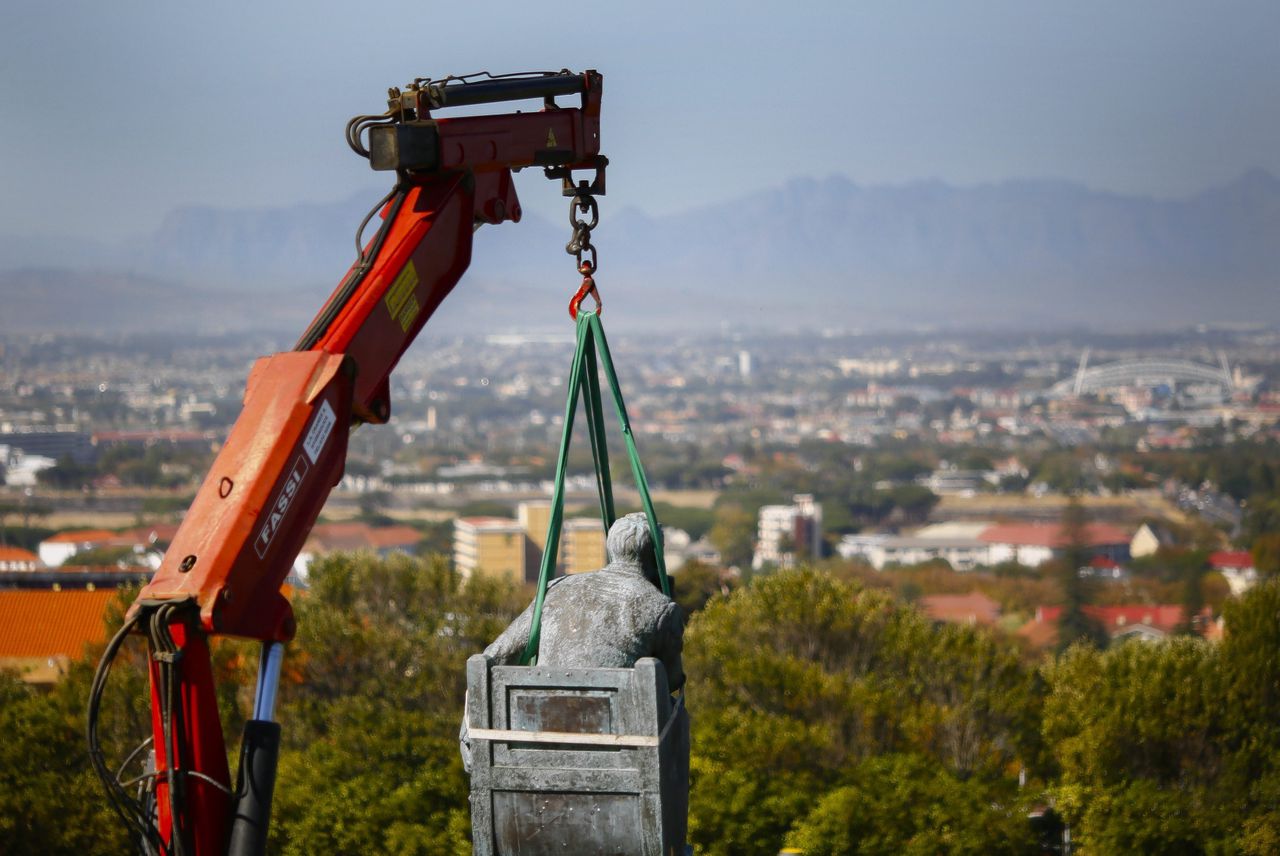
584 381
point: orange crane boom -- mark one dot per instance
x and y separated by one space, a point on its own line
223 572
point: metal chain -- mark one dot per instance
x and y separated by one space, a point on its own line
584 215
580 246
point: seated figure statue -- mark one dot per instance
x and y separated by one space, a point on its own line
608 618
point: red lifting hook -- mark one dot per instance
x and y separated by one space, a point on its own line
588 287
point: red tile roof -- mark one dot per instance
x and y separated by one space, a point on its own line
361 536
82 536
46 623
1038 633
972 608
1164 617
394 536
17 554
1053 535
1231 559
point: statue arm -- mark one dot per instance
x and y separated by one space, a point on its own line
507 649
509 646
669 644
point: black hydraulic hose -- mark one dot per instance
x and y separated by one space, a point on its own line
349 285
123 805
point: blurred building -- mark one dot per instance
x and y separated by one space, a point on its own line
958 543
1033 544
57 549
535 517
1237 568
972 608
788 532
493 546
582 545
19 469
512 548
1147 541
18 559
352 536
56 444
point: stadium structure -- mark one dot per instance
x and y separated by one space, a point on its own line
1143 372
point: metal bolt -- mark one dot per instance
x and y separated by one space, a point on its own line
187 564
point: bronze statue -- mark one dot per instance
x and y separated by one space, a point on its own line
608 618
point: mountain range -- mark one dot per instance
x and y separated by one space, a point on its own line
817 253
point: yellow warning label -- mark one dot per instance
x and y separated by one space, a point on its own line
551 139
409 312
400 295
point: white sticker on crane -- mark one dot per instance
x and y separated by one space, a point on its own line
318 433
274 514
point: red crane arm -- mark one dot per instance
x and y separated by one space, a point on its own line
223 571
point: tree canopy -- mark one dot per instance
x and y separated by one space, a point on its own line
827 716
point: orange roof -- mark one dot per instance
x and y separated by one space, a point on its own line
971 608
17 554
394 536
47 623
1038 633
81 536
1231 559
361 536
1164 617
1052 535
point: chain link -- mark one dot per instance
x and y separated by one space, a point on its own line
584 215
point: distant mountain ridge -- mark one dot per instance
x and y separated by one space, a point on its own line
829 252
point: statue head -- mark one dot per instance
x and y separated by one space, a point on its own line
630 544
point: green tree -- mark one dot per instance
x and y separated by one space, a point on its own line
1137 733
66 475
908 804
695 584
800 678
50 801
381 780
733 533
913 501
1074 624
696 521
370 761
1194 569
1266 553
1261 518
1175 747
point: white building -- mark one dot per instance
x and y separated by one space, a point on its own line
17 559
57 549
1033 544
957 543
1236 567
788 531
18 469
1146 541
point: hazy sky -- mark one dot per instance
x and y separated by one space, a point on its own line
115 112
